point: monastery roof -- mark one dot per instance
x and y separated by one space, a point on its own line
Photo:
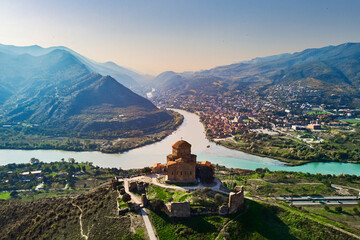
181 144
206 163
171 163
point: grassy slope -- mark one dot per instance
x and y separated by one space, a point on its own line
347 216
58 218
259 221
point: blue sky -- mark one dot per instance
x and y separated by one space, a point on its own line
179 35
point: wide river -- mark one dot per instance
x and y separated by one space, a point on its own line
192 131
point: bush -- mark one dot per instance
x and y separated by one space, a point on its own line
357 212
219 198
126 197
338 209
326 208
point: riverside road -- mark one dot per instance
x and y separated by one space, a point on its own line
320 200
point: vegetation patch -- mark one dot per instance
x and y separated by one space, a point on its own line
259 221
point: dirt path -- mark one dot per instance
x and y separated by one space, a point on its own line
80 220
148 225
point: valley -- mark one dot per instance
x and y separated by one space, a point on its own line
290 107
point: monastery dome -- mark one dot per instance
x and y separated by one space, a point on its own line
181 144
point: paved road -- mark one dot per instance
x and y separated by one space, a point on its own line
319 200
148 225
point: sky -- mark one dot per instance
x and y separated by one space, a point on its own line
152 36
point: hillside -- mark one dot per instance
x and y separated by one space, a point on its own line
56 94
123 75
333 71
60 218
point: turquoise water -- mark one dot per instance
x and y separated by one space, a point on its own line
192 131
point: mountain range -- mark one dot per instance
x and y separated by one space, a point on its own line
60 93
123 75
333 71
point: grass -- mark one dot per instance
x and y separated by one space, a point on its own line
58 218
347 217
351 120
5 195
317 112
154 191
259 221
27 196
122 204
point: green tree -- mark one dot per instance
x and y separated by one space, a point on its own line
338 209
34 161
126 197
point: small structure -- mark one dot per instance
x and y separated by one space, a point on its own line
236 200
178 209
314 126
144 200
27 176
132 186
115 182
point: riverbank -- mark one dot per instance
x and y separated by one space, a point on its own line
288 162
284 149
120 145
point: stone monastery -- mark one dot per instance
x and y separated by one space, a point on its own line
181 165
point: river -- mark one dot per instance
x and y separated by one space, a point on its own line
192 131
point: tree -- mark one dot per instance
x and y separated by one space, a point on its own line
126 197
357 212
146 170
14 194
34 161
219 198
71 160
206 174
338 209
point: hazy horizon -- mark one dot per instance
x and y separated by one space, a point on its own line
155 36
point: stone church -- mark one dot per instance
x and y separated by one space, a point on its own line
181 165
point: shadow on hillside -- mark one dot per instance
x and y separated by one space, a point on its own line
260 219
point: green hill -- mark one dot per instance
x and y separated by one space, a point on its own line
56 94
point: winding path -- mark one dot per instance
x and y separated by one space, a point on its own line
80 220
144 214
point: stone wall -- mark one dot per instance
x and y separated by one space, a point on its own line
236 200
178 209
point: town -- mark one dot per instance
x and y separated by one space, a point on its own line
295 129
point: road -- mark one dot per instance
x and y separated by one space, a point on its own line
319 200
144 214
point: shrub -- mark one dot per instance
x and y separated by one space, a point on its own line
326 208
357 212
126 197
338 209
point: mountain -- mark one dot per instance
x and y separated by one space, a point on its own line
123 75
333 72
58 94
